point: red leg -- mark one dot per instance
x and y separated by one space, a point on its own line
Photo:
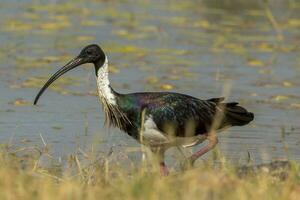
212 142
163 169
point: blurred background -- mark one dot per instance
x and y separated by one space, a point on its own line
249 49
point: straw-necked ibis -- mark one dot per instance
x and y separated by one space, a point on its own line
158 119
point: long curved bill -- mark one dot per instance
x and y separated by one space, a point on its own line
69 66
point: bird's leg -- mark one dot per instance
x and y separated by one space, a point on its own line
159 154
163 169
212 142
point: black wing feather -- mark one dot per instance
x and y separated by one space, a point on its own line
182 115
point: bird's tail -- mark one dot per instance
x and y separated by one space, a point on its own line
236 115
233 114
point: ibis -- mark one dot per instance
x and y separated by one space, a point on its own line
159 120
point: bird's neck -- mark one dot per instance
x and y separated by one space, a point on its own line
113 115
106 93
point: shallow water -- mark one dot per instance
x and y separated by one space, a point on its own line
201 48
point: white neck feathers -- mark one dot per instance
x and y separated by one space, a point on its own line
104 89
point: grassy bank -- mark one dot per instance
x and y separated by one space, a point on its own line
22 178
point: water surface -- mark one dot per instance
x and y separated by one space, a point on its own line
201 48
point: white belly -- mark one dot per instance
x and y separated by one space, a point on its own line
152 136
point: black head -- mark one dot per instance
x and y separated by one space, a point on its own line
90 54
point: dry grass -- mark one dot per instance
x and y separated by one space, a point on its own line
22 178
